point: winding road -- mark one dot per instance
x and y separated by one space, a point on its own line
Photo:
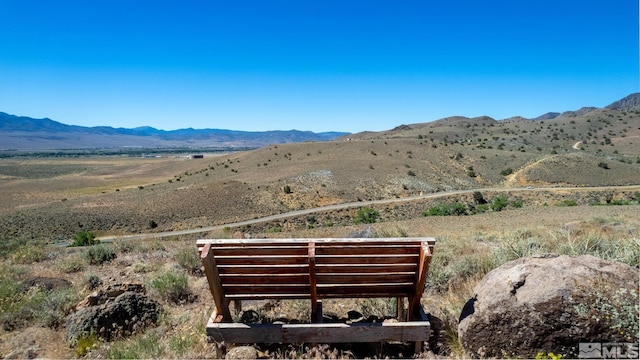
353 205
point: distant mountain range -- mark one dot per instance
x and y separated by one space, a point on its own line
25 133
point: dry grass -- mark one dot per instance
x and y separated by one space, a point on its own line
467 248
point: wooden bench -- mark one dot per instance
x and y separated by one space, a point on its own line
316 269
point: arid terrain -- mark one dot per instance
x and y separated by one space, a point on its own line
563 180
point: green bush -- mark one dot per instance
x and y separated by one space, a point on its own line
84 238
507 171
568 202
171 286
366 216
499 202
456 209
99 254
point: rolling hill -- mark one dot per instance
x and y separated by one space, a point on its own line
600 147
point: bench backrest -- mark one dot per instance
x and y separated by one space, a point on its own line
317 268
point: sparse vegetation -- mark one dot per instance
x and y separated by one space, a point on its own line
321 174
189 260
98 254
171 286
366 216
84 238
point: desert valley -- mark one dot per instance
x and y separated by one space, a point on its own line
489 191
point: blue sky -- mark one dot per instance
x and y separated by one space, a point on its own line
311 65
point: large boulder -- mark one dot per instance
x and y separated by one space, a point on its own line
128 313
550 304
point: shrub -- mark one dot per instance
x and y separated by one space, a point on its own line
84 238
139 267
28 254
92 281
125 246
507 171
99 254
189 260
603 165
287 189
35 306
171 286
72 264
456 209
568 202
478 198
366 216
499 202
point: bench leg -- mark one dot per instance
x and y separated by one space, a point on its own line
316 311
400 312
237 306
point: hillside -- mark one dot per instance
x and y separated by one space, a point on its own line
598 148
549 174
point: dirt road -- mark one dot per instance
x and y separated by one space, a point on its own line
353 205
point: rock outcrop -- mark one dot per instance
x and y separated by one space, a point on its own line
123 314
550 304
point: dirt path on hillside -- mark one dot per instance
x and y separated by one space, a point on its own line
576 146
517 178
354 205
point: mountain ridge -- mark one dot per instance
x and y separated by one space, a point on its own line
25 133
21 132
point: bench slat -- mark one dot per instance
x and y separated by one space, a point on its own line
264 269
367 259
372 279
261 260
260 251
266 289
367 250
260 279
367 268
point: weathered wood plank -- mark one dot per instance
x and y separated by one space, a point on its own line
261 279
421 279
367 250
367 259
326 333
261 251
215 285
264 269
319 241
365 278
233 289
261 260
369 268
318 269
